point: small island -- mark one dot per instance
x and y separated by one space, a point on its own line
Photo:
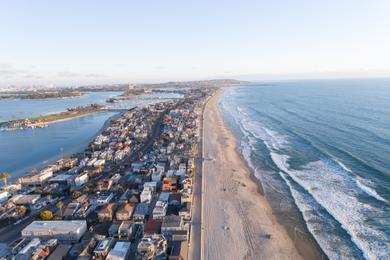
127 95
41 94
46 120
119 99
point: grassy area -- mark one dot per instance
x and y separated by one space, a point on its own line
61 116
44 120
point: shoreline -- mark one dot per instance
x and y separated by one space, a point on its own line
37 123
304 241
72 117
305 244
240 222
80 148
40 98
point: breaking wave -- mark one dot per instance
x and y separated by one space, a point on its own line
364 185
336 193
344 212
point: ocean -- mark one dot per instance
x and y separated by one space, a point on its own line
322 148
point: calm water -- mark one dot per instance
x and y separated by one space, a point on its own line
326 145
22 150
11 109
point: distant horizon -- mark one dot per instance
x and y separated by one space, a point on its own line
98 42
249 77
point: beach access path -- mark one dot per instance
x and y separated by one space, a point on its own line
237 221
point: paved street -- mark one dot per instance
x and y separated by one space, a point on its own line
195 249
195 240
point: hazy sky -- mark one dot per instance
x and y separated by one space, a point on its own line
92 41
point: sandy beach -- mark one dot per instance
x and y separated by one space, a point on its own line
237 220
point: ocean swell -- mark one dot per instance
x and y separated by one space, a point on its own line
328 185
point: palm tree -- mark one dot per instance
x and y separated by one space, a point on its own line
60 205
4 176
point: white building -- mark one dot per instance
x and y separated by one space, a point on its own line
160 210
3 196
150 185
21 199
27 251
91 162
103 247
100 162
120 251
119 155
36 179
146 196
81 179
63 230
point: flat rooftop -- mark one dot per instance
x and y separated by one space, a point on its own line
119 251
56 226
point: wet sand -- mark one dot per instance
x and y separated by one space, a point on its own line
238 222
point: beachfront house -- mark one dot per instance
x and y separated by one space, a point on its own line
36 180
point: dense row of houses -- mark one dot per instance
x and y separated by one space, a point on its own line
129 195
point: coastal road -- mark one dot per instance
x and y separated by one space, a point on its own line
196 241
196 223
12 232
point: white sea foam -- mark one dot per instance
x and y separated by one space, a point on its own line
318 225
326 241
342 165
247 147
329 185
334 192
271 139
364 185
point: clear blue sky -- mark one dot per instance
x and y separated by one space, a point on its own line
88 41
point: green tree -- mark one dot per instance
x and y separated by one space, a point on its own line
46 215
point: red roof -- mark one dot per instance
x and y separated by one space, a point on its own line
153 226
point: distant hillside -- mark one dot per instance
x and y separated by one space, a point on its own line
130 89
193 84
